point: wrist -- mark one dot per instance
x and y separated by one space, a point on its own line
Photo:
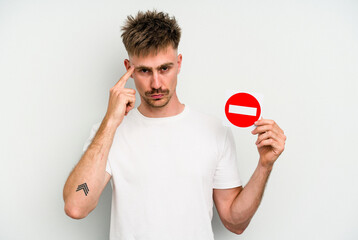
265 166
109 123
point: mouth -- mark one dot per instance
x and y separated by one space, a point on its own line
157 96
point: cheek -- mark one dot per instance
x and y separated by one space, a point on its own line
172 80
139 85
140 80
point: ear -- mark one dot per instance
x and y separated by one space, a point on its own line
127 65
180 58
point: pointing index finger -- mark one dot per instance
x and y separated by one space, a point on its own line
122 81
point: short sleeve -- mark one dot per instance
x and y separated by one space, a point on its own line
226 173
88 142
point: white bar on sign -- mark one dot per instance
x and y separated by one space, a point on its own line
242 110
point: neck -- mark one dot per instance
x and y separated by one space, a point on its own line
174 107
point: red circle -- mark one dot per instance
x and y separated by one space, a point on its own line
243 100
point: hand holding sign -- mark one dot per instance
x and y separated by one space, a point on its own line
244 110
270 141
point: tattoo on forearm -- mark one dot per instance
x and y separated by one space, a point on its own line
84 187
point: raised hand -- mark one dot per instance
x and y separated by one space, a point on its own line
270 141
121 99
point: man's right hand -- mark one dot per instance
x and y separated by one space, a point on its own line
91 169
121 100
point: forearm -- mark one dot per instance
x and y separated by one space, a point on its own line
246 203
91 169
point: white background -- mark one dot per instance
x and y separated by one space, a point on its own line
58 60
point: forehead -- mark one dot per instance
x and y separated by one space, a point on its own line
153 60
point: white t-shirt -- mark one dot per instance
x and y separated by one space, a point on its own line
163 174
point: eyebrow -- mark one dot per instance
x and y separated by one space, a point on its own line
140 67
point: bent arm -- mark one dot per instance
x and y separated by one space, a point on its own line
248 200
90 171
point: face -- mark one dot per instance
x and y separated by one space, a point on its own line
155 76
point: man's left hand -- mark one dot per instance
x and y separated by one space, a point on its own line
270 141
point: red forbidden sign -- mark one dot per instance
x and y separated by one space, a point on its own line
242 110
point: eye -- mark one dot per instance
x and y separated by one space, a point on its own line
143 70
165 69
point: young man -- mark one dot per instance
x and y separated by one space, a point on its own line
168 163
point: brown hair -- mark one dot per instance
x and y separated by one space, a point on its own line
149 32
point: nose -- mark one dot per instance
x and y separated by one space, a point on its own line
155 81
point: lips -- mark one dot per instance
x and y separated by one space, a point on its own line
157 96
